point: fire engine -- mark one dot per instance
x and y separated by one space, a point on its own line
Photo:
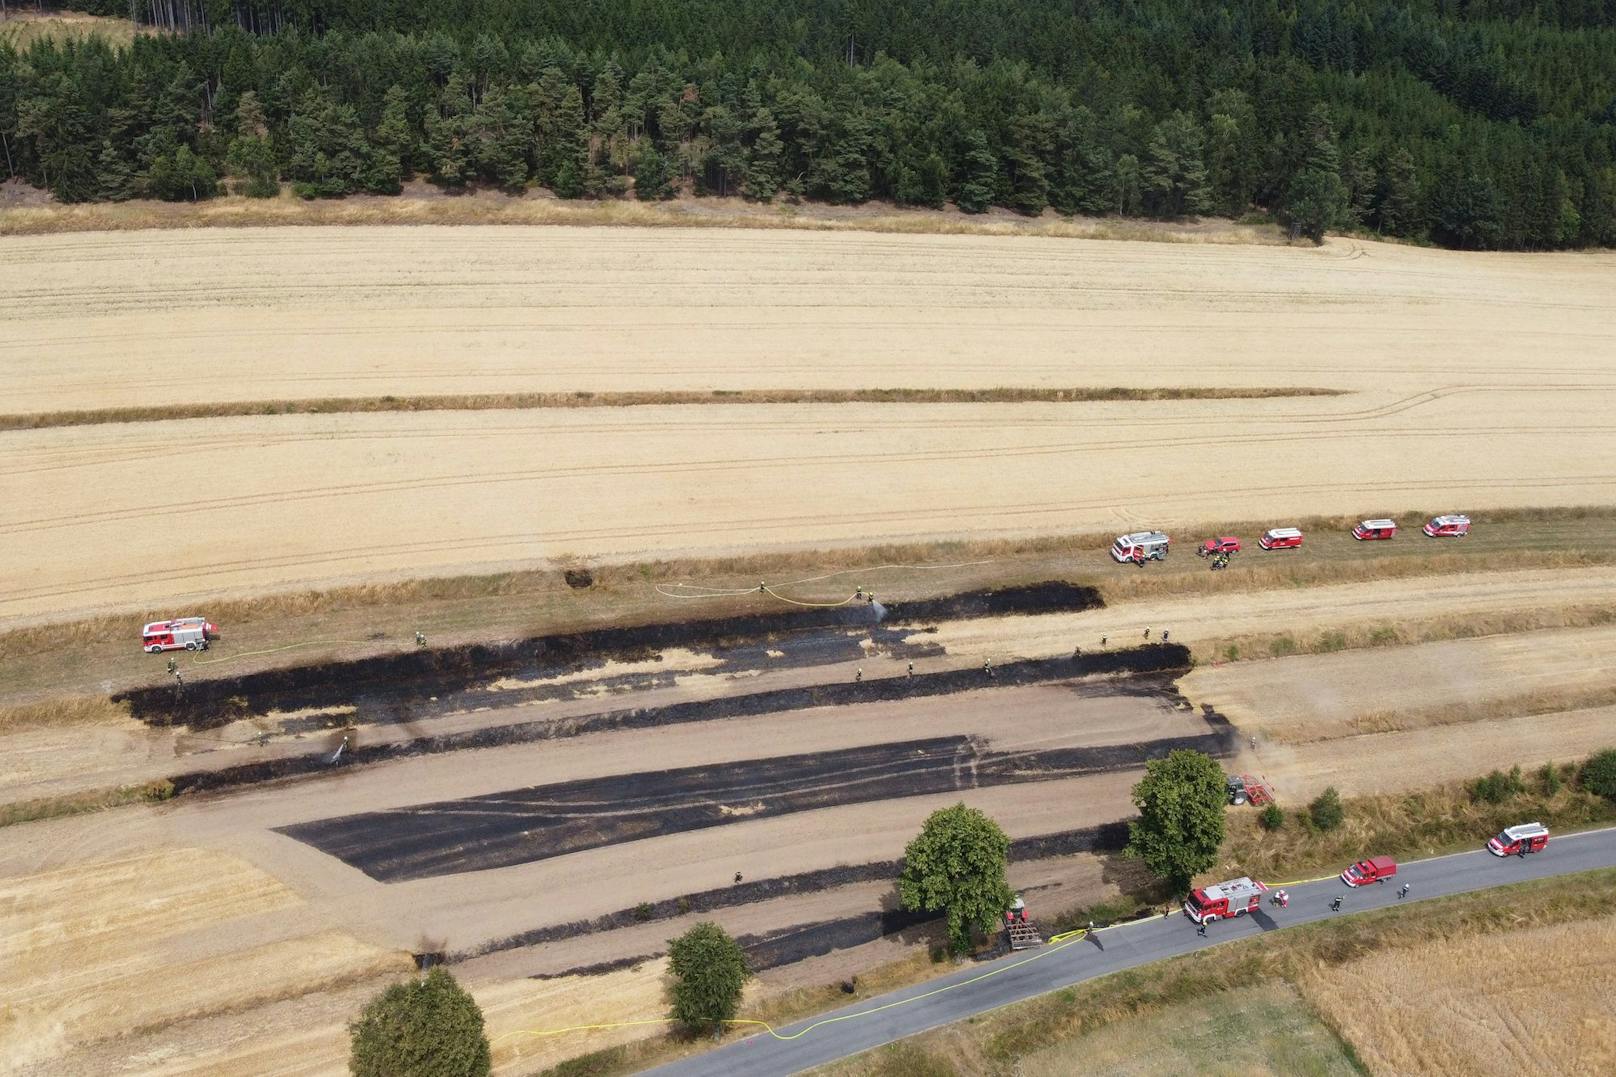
1377 869
192 633
1139 547
1224 544
1280 538
1525 838
1370 530
1448 527
1233 898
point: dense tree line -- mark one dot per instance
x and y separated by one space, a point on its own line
1474 123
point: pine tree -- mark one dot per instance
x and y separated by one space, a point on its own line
763 159
1126 196
651 179
115 177
1397 210
979 171
1175 170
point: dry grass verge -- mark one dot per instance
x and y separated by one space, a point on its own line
1443 819
423 204
33 811
661 398
64 711
1401 633
998 1045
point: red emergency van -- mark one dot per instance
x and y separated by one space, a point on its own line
1448 527
1280 538
1525 838
1370 530
1377 869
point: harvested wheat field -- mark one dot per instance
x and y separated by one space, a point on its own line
1390 719
1541 1000
1472 381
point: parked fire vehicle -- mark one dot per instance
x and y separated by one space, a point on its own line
192 633
1280 538
1448 527
1370 530
1525 838
1233 898
1139 547
1212 546
1377 869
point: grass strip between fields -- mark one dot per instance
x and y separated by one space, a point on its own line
649 398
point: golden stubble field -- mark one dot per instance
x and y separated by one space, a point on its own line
1473 380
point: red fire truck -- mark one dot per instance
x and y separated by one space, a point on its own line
1525 838
1233 898
1448 527
1377 869
192 633
1139 547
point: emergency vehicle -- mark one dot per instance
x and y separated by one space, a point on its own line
1233 898
192 633
1139 547
1527 837
1280 538
1448 527
1224 544
1370 530
1377 869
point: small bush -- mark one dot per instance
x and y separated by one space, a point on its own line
1232 653
1326 811
1599 774
424 1028
1272 817
1550 777
683 905
1497 787
1281 646
644 911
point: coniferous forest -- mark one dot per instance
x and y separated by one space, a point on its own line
1469 123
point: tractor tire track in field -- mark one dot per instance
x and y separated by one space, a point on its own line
523 825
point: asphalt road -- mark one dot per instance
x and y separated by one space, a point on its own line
990 985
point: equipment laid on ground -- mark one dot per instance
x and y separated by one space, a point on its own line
1224 544
1525 838
1139 547
1020 932
1370 530
1377 869
1248 789
1280 538
1233 898
1455 526
192 633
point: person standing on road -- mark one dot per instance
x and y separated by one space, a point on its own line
1335 906
1402 892
859 675
1102 641
1200 929
911 669
1147 633
1164 635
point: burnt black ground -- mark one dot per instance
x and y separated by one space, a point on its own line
400 687
1147 660
1108 837
523 825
